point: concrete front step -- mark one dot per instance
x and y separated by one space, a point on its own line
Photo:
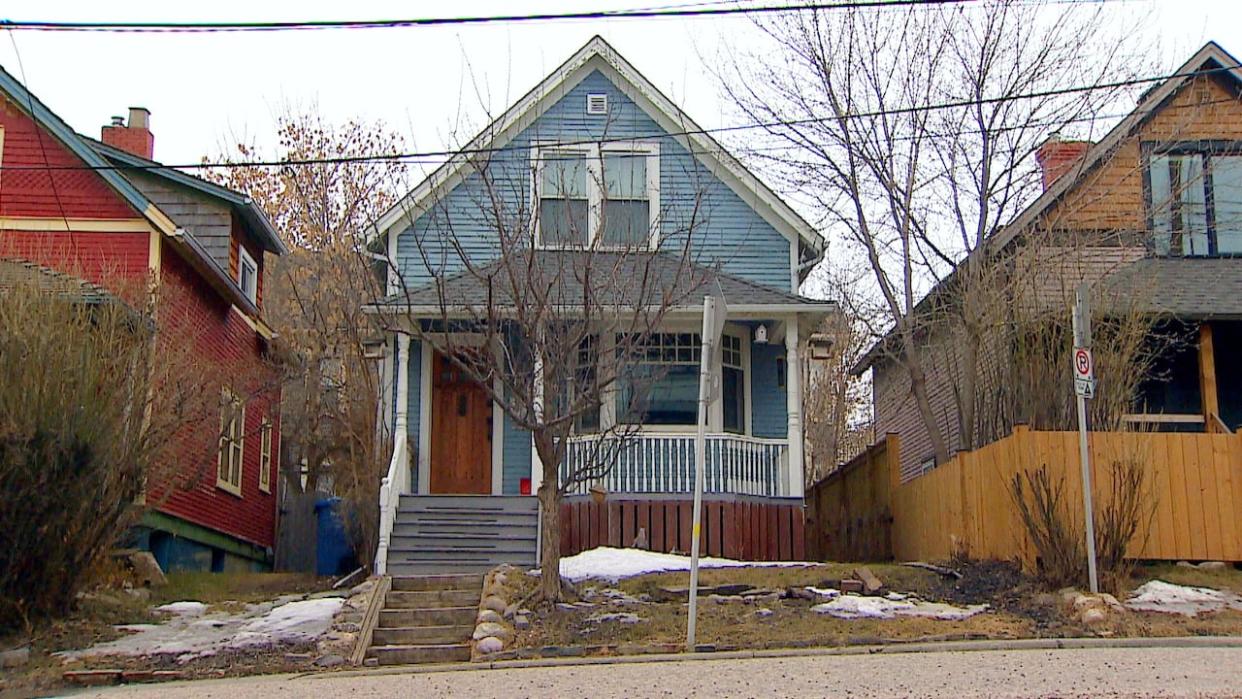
443 616
462 543
414 583
422 635
467 517
407 552
470 503
397 567
409 655
465 529
431 599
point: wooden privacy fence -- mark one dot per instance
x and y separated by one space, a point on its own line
1193 482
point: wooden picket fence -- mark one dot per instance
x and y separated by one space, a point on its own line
1193 481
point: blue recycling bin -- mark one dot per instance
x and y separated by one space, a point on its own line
334 555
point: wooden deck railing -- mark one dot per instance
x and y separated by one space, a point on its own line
664 463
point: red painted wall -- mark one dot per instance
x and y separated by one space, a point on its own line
199 326
44 193
228 351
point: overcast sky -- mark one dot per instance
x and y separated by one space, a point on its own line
204 90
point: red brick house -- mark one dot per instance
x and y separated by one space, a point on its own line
105 211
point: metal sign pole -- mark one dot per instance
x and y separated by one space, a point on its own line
1084 381
714 312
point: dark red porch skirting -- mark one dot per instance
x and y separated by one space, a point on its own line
734 526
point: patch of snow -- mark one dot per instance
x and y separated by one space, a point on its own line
183 608
859 607
1160 596
613 564
194 632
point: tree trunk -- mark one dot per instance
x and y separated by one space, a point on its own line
918 386
550 542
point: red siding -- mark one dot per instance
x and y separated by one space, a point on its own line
77 193
222 340
102 258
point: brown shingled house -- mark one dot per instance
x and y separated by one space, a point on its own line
1158 202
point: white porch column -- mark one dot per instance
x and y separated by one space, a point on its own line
793 393
402 408
536 465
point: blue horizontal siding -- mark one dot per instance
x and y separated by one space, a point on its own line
768 403
724 228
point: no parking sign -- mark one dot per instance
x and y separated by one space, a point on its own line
1084 372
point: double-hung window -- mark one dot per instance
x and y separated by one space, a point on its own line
564 216
247 274
265 455
1195 202
604 196
229 452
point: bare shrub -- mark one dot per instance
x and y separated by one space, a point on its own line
86 413
1057 534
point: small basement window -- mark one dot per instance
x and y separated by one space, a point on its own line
597 103
248 275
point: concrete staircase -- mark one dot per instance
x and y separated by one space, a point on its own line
451 534
427 619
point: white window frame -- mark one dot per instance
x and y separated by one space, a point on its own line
243 257
265 455
715 414
232 447
594 153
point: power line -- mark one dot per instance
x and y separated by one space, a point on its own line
688 11
423 156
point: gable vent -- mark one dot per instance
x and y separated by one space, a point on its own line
597 104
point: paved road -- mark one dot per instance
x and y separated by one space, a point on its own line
1169 672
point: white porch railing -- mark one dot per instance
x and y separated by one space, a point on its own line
394 485
659 462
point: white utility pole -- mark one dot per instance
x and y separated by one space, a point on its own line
714 312
1084 388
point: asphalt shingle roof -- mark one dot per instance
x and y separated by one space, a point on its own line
616 278
1184 287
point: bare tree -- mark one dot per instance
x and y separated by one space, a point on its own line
560 318
839 424
314 297
911 131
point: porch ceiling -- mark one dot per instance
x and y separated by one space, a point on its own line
573 278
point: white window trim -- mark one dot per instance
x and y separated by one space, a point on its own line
243 256
715 414
595 177
225 446
265 455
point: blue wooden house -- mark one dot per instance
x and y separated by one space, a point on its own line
458 494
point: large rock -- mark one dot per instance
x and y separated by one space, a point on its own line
146 569
494 603
489 615
15 658
488 628
488 645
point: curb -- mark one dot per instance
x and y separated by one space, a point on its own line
889 649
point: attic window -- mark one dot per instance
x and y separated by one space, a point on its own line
597 103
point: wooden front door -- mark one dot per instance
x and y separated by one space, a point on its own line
461 432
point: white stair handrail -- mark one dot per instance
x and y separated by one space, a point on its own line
394 484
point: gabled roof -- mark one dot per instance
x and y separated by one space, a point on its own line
92 154
46 118
598 54
622 279
1210 57
244 206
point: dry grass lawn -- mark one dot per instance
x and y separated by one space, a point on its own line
1018 609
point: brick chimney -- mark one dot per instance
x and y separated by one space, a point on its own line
134 137
1058 156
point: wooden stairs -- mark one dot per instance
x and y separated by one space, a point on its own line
426 619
